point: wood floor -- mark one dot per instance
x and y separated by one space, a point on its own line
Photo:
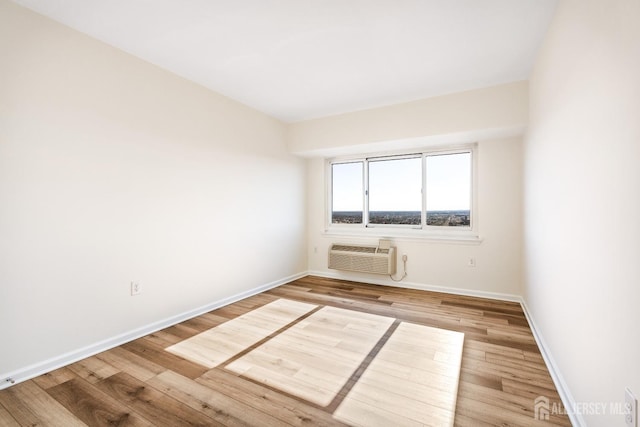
142 384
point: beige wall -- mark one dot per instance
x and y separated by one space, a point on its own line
113 170
582 235
489 113
499 216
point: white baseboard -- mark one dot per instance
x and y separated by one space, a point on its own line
49 365
563 389
418 286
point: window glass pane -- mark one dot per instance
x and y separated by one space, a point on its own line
395 191
449 190
347 193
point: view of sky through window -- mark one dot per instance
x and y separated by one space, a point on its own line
395 185
347 189
449 182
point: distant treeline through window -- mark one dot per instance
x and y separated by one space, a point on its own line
407 190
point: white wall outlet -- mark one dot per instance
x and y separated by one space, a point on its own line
135 288
630 408
404 257
471 262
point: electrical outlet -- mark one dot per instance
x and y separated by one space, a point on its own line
631 408
471 262
404 257
135 288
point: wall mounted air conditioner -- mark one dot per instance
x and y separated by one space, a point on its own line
379 259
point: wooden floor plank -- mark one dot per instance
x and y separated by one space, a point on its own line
18 408
94 407
6 419
33 406
210 402
156 354
53 378
93 369
140 383
159 408
134 365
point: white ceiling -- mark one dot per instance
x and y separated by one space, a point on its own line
301 59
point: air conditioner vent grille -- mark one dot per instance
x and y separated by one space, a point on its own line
362 258
349 248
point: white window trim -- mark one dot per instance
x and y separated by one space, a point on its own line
465 235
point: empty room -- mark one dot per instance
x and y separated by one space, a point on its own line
319 213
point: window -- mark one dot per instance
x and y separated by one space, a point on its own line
430 190
449 190
395 191
348 193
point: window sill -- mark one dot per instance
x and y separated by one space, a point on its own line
459 237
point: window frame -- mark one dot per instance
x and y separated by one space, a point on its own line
402 230
365 215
